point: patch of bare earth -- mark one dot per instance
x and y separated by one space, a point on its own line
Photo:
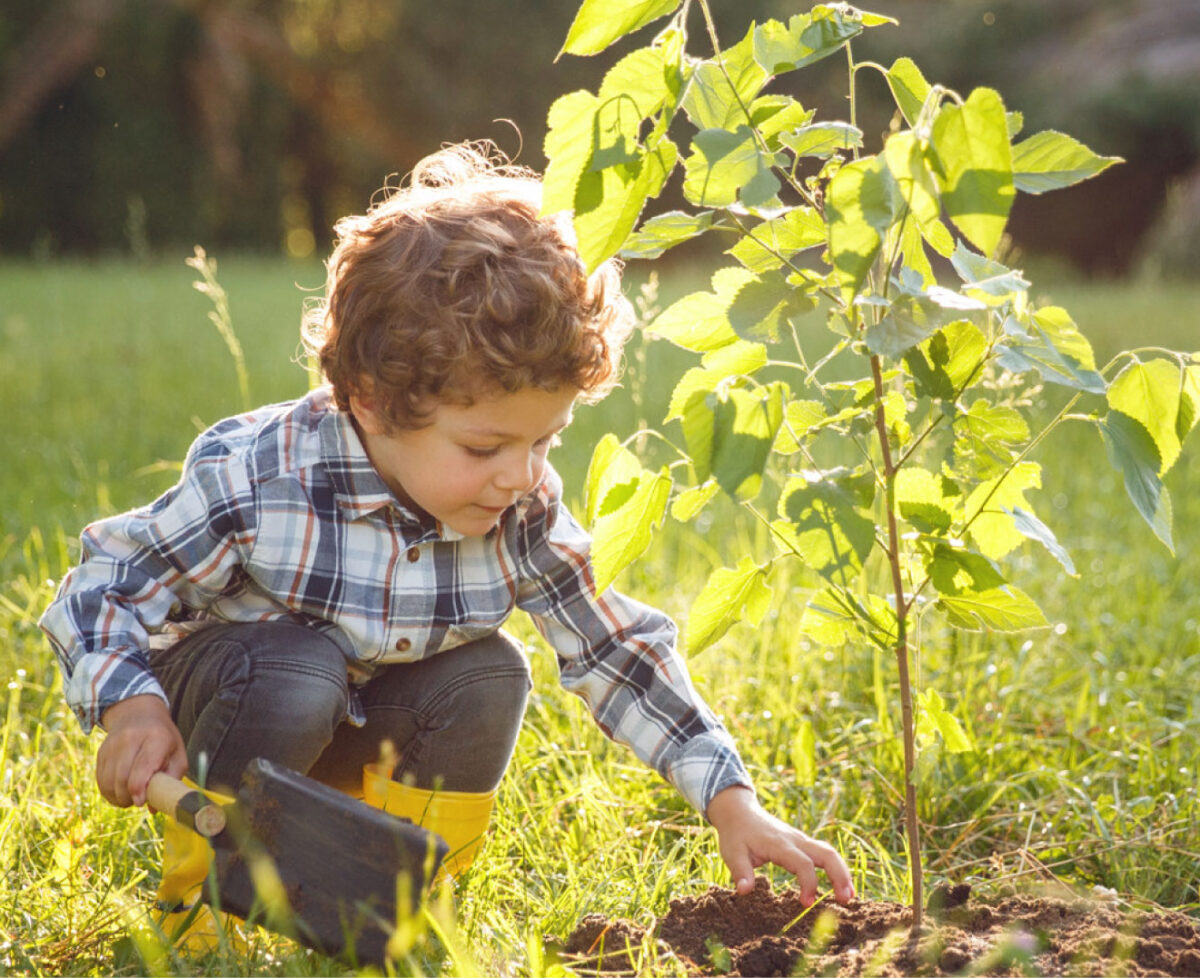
766 933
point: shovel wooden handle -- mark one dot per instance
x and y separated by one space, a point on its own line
187 805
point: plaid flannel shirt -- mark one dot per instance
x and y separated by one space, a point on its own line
280 514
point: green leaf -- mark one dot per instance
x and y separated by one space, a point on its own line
745 424
600 22
823 139
798 418
568 148
608 203
729 167
909 88
912 252
830 530
805 39
953 570
860 205
828 621
740 359
1002 609
832 618
729 596
921 501
773 115
768 244
963 352
990 505
934 720
691 501
989 424
621 536
1050 160
1151 393
614 136
665 231
612 465
700 321
974 161
639 80
916 313
699 420
1029 525
1189 403
761 306
916 184
710 102
1133 453
983 276
1054 347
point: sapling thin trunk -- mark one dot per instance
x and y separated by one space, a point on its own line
906 706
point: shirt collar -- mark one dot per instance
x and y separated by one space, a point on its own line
358 488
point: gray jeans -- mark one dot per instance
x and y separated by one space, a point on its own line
279 690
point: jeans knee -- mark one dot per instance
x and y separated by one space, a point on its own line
286 683
303 672
493 686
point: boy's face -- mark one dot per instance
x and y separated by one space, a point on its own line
471 462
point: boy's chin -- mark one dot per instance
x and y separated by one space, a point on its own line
473 525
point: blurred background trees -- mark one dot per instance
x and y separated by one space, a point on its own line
140 125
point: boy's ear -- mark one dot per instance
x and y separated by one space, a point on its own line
365 410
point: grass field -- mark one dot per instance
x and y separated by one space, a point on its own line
1088 733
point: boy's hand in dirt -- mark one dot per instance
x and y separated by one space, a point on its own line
142 740
750 837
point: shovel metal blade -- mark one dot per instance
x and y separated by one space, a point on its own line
326 869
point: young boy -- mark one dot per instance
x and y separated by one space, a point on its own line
331 574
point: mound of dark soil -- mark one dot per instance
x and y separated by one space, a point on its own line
768 933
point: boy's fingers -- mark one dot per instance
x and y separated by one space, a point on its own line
826 857
177 766
742 870
158 754
116 780
801 866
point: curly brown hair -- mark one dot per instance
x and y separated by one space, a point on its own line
456 287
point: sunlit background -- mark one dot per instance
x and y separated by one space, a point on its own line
133 126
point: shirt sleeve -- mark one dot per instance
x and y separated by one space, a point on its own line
140 568
619 656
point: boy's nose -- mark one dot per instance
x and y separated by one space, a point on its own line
520 474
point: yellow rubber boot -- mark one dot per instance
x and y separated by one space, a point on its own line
459 817
187 856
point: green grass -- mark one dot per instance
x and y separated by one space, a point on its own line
1087 733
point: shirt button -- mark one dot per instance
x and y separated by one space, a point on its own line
414 554
403 645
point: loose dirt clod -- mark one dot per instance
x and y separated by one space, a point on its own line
766 933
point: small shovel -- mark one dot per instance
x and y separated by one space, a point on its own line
346 869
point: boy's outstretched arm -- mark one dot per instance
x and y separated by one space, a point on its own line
749 837
142 740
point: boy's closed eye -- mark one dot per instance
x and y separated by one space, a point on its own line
490 451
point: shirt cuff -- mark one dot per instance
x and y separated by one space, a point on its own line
89 703
705 766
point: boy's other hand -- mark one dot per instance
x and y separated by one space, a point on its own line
142 740
750 837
